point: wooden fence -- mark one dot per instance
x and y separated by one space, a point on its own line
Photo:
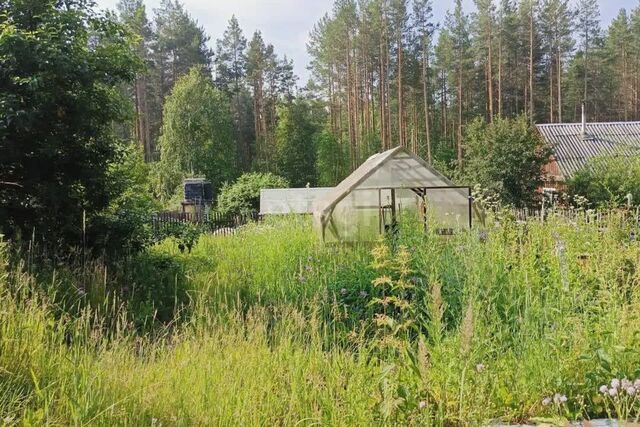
209 222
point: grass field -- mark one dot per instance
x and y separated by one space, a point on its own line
269 327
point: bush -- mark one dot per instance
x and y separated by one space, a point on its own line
243 196
505 157
608 181
125 225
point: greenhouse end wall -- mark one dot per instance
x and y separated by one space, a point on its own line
360 217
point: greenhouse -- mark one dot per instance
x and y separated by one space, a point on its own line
387 186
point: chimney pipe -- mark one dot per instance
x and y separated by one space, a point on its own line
584 120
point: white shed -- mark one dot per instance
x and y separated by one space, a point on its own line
290 200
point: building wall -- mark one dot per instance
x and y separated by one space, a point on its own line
290 200
552 176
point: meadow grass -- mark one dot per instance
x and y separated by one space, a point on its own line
271 327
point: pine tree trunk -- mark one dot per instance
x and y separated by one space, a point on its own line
387 90
443 103
425 97
551 82
531 101
146 129
459 113
500 74
382 102
137 129
401 135
490 72
559 77
586 65
350 107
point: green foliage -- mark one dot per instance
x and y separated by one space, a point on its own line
180 44
155 289
608 181
243 196
186 234
124 226
295 142
231 58
394 288
505 157
332 159
271 316
197 135
60 68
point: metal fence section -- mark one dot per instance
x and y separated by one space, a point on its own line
209 222
599 217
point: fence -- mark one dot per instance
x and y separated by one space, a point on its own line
209 222
599 217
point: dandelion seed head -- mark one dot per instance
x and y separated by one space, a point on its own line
631 391
422 404
603 389
625 383
546 401
613 392
615 383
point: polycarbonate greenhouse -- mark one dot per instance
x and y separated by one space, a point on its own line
386 187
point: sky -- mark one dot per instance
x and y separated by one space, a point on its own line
286 23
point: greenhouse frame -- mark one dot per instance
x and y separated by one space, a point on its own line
388 185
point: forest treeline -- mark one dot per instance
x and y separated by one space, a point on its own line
82 90
393 75
386 73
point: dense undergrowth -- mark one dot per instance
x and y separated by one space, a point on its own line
270 327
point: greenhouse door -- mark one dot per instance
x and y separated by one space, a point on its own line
388 214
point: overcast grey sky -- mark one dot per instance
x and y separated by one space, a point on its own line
287 23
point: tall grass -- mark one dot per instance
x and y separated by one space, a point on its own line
270 327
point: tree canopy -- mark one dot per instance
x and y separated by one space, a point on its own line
60 67
505 157
197 134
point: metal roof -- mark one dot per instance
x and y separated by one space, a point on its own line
572 150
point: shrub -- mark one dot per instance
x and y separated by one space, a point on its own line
243 196
506 157
125 225
608 181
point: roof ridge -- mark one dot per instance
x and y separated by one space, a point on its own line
589 123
